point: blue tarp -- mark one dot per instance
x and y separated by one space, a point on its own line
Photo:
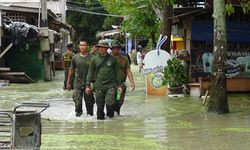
236 31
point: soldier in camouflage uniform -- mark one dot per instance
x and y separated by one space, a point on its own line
124 68
79 66
107 79
66 61
94 49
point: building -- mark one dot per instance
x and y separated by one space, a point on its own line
195 26
29 11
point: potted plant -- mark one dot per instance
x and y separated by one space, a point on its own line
175 75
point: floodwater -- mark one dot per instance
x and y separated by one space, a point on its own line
145 123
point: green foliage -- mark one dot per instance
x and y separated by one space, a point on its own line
175 73
171 2
85 25
111 21
229 9
139 17
245 4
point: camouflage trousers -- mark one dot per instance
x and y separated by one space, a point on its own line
66 72
105 97
89 101
118 103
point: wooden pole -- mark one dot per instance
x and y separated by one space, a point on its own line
46 54
6 49
0 28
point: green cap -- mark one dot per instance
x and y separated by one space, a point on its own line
103 43
116 43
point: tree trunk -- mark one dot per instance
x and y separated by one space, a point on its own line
218 98
167 25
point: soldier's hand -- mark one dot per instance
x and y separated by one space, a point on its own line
132 85
120 89
68 87
88 90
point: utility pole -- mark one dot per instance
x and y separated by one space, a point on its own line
45 42
63 6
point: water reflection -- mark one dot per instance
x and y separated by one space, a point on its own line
145 122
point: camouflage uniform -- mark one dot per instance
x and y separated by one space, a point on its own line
67 58
107 78
81 64
124 65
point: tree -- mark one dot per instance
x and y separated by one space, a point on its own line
81 21
139 17
164 12
109 21
218 97
144 17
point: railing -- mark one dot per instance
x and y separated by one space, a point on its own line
6 130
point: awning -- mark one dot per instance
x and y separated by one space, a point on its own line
236 31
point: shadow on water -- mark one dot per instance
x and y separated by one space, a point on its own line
146 122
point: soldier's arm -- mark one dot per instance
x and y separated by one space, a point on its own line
63 64
71 73
89 78
131 79
130 75
90 72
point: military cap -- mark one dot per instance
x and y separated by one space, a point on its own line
103 43
116 43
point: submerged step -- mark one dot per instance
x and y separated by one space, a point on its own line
5 124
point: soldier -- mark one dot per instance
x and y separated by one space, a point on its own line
107 79
94 49
124 68
79 66
66 61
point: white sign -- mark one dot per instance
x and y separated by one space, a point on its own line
154 63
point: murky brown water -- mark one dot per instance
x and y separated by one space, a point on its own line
146 122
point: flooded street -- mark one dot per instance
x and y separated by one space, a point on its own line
146 123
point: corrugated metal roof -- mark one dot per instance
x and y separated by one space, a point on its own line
54 6
21 3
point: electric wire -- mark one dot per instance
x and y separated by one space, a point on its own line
79 9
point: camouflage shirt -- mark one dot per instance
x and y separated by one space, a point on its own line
123 66
66 58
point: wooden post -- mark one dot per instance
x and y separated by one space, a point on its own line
0 28
46 54
6 49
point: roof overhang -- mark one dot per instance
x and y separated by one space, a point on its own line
26 9
187 12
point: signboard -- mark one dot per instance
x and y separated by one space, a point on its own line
154 63
238 63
